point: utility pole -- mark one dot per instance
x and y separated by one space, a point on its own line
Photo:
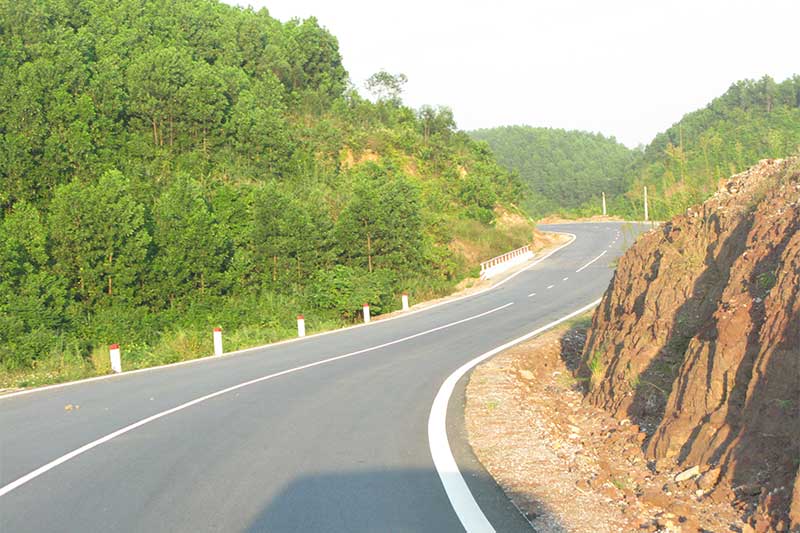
604 204
646 217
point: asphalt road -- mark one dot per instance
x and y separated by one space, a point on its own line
340 445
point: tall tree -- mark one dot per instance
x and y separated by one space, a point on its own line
281 233
32 298
386 87
381 227
189 248
99 239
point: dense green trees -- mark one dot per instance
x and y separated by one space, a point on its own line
166 166
32 299
189 251
567 170
563 169
753 120
282 233
381 227
98 240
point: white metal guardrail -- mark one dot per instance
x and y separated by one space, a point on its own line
501 263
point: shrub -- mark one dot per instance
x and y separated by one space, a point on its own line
345 289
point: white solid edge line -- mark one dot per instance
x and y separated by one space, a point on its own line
86 447
592 261
296 339
462 500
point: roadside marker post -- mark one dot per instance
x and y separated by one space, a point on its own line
116 359
217 341
405 301
366 313
301 326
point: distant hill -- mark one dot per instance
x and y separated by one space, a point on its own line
564 170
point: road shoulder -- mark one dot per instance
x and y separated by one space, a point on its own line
566 465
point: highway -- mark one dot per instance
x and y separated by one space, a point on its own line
329 433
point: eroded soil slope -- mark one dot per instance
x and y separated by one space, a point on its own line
697 340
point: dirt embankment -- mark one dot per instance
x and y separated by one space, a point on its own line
697 341
568 465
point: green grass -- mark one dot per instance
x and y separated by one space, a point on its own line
619 483
172 347
567 380
596 367
766 281
247 321
488 241
784 404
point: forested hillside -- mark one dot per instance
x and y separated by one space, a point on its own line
171 165
753 120
682 166
564 170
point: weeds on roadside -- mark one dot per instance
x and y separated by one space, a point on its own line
596 367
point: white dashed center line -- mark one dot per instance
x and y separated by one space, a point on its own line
550 286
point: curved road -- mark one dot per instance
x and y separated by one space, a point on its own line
329 433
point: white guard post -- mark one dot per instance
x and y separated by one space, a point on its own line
366 313
217 341
116 359
301 326
405 301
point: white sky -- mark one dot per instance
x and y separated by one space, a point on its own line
628 68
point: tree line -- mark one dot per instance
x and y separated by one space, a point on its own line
564 170
753 120
567 170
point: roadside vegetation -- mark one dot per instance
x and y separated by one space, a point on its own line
172 166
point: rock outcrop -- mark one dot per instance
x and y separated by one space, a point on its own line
697 340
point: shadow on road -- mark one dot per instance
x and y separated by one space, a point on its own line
380 501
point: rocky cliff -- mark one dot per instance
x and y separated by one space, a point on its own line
697 340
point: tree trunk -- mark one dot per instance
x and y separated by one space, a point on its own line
155 131
369 251
110 261
274 268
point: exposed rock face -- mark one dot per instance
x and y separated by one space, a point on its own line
697 339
